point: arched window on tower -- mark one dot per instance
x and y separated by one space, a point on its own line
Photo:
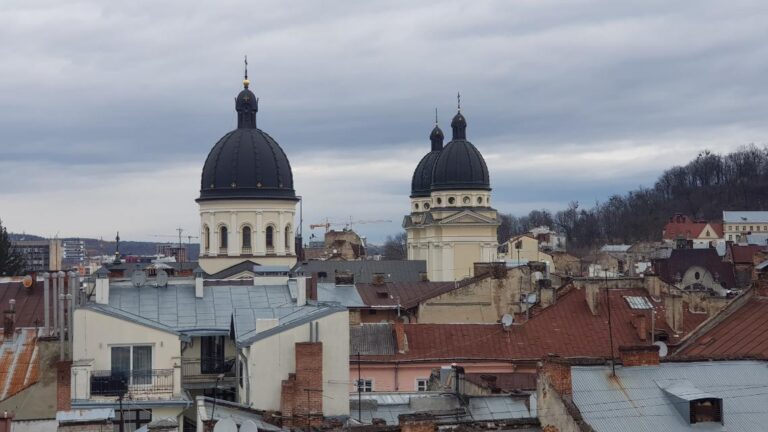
247 240
288 238
207 239
270 239
223 240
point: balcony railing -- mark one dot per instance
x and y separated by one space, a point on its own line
137 385
246 250
207 370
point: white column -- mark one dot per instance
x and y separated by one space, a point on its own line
450 273
214 235
292 239
233 241
260 235
280 233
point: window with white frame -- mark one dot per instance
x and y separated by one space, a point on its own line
134 362
365 385
422 384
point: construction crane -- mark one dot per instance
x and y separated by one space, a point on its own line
348 224
189 242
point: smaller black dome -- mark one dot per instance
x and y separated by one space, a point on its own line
421 184
460 165
459 126
436 138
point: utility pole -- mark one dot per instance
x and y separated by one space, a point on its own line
359 391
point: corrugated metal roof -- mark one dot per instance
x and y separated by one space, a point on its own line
30 311
175 307
19 361
745 216
403 294
371 339
447 407
345 295
395 271
634 401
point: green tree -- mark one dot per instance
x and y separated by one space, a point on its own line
11 261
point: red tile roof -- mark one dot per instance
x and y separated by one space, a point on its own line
408 294
744 254
29 302
739 331
680 226
567 328
19 362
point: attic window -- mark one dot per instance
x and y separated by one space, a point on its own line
707 410
638 302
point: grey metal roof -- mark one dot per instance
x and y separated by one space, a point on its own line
176 309
745 216
636 401
233 411
395 271
448 409
615 248
371 339
345 295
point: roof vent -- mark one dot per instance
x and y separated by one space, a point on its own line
379 279
693 404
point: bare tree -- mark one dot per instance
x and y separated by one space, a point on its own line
395 247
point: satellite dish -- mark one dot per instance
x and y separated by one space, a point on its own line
225 425
531 299
138 278
248 426
507 320
162 278
27 281
663 350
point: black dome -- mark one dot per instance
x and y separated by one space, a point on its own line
421 184
460 165
247 163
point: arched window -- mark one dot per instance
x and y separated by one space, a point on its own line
288 237
246 239
207 239
270 236
223 239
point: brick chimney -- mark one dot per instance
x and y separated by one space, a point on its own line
640 323
302 392
400 337
639 355
417 422
6 419
592 293
312 287
558 371
9 323
673 305
63 386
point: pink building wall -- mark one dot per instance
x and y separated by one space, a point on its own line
390 377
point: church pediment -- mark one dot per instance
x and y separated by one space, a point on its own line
467 217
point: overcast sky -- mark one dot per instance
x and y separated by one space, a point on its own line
108 109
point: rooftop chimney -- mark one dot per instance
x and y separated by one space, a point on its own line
199 291
301 290
9 324
592 293
639 355
640 323
101 291
673 305
558 371
400 337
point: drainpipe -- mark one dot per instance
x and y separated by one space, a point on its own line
70 322
61 325
54 303
245 378
47 302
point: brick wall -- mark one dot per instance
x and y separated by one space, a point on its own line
400 337
558 371
641 355
302 392
63 386
419 422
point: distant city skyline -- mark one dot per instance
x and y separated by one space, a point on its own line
109 110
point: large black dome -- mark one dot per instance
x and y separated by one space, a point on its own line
460 165
246 163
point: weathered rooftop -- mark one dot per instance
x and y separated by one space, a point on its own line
635 399
19 361
363 271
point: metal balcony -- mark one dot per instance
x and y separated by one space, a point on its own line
137 385
204 372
